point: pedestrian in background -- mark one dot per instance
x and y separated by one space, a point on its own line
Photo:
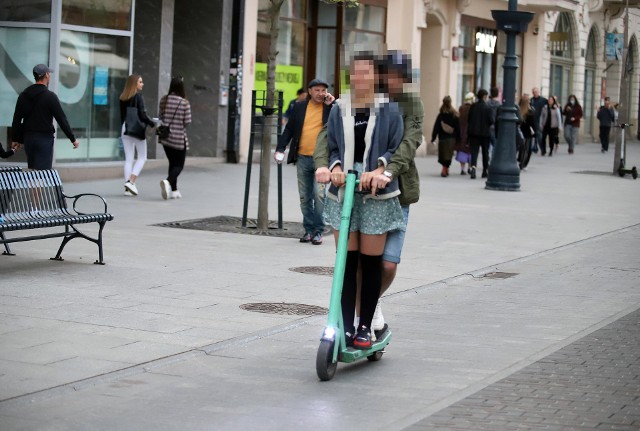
462 148
133 132
494 103
175 112
527 127
572 114
551 123
607 118
305 122
538 103
479 131
301 96
447 130
33 121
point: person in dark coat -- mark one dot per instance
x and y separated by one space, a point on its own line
538 103
607 118
447 130
33 121
479 131
572 115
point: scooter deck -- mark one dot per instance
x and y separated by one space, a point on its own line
350 354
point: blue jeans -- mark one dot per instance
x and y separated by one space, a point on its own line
311 204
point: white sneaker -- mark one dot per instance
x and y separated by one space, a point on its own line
378 319
131 187
176 195
165 189
127 193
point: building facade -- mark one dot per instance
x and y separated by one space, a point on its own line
456 48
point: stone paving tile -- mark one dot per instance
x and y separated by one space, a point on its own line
591 384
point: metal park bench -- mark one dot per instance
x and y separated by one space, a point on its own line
35 200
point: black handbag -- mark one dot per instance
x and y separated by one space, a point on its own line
133 125
164 130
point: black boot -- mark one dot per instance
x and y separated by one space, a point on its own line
472 173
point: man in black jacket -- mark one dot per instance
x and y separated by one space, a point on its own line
33 121
479 132
305 121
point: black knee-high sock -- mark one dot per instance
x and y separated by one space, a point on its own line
349 287
370 291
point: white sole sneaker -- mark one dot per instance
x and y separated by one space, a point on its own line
378 319
176 195
165 189
131 187
128 193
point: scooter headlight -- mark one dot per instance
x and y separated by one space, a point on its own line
329 334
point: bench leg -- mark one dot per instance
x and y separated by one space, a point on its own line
78 234
7 249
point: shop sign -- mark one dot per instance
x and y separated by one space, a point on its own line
614 46
486 42
558 41
288 80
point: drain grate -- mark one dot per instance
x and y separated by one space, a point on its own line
500 275
285 308
317 270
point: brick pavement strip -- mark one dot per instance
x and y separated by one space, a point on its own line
593 383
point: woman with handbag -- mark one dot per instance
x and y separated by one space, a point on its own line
175 113
527 123
551 123
447 129
134 125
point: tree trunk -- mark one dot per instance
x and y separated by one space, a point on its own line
269 125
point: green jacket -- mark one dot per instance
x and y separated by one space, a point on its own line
402 164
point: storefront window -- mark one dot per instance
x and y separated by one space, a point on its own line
113 14
562 59
502 52
93 70
466 54
32 11
23 48
364 26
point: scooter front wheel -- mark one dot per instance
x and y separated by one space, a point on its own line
325 367
634 173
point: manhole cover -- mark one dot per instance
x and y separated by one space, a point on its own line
318 270
500 275
285 308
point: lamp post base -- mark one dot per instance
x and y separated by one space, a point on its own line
503 182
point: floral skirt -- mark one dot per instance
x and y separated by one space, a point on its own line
368 216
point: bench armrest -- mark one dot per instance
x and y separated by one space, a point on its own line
77 197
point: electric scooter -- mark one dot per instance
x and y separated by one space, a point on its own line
333 347
623 149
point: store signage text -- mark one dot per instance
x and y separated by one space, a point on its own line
486 42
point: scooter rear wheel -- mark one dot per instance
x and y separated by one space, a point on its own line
634 173
375 356
325 367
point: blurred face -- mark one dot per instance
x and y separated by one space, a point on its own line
395 83
362 76
607 102
140 84
535 91
317 93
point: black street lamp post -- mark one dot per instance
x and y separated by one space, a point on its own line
504 173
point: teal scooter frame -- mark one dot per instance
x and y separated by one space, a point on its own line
333 347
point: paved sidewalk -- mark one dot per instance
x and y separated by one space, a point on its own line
593 383
168 295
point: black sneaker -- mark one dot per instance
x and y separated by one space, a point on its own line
348 339
306 238
317 239
363 339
